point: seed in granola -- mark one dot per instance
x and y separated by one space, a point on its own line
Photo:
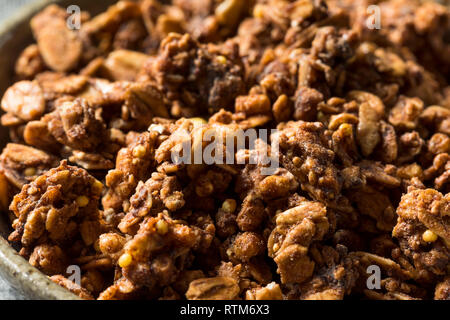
29 172
258 11
222 59
97 187
125 260
345 127
162 227
82 201
139 152
275 248
429 236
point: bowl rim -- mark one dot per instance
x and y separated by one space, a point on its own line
16 270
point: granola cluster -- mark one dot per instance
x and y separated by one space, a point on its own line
362 119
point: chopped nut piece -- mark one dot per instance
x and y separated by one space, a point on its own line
124 65
30 172
219 288
24 99
139 151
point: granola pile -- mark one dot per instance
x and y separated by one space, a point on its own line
363 128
